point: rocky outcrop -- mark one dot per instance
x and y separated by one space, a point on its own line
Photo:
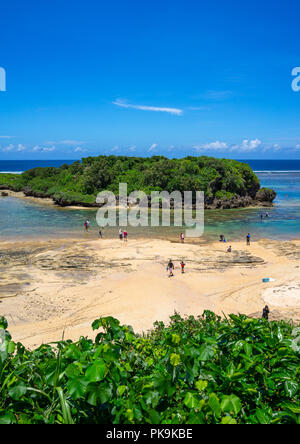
265 195
263 198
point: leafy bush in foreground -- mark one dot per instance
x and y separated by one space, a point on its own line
204 370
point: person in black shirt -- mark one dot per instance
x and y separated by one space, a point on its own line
170 267
266 312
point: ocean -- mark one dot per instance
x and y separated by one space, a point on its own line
21 219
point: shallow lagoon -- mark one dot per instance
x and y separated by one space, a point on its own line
20 219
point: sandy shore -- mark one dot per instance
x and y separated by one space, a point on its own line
58 287
21 195
43 200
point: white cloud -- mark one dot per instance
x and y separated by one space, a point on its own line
48 149
40 149
21 147
152 147
174 111
8 148
6 137
212 146
246 146
250 145
79 149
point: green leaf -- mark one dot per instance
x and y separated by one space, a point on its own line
121 389
8 418
67 417
190 401
263 416
175 339
231 404
93 397
201 385
96 371
206 352
174 359
11 347
228 420
72 370
17 391
292 407
77 387
247 349
154 416
291 388
105 393
214 403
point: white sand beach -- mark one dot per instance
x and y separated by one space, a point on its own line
58 288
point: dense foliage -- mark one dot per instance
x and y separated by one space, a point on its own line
82 181
205 370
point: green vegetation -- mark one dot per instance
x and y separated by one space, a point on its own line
205 370
80 182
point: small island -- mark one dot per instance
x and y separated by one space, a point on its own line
226 183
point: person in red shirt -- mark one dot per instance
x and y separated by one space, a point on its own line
182 264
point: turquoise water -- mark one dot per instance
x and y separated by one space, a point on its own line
21 219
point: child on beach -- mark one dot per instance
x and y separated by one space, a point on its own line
248 239
182 238
182 264
125 236
121 234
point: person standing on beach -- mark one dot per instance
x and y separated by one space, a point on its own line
86 225
125 235
182 238
265 313
121 234
170 267
100 233
182 264
248 238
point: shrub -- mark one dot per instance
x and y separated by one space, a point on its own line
204 370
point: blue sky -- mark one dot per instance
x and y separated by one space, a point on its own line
152 77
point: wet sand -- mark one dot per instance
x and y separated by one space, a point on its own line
53 288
